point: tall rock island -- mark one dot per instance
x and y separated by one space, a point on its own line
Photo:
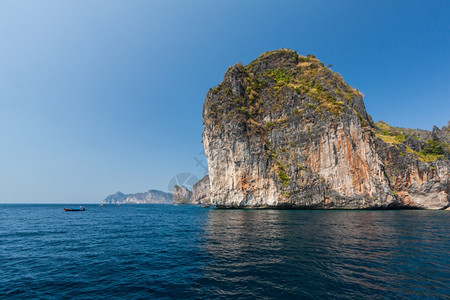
285 131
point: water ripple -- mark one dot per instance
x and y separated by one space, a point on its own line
173 252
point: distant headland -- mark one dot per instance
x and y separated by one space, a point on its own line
199 195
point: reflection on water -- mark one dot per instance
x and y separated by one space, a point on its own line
327 253
187 252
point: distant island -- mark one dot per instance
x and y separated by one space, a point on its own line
199 195
152 196
286 131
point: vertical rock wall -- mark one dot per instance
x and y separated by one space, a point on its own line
287 132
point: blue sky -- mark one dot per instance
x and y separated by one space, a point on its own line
101 96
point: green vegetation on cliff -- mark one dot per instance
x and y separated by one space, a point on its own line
325 89
273 75
428 149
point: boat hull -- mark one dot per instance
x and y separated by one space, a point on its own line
74 209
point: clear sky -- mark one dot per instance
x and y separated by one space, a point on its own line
101 96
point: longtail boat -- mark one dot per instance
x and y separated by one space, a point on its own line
75 209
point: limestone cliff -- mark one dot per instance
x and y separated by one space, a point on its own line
182 195
416 164
287 132
150 197
201 191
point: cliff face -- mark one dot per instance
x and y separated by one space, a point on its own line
285 131
201 191
416 164
182 195
150 197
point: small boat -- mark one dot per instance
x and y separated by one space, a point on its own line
206 205
74 209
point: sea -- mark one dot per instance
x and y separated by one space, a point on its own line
189 252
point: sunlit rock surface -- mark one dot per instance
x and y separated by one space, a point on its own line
287 132
201 191
182 195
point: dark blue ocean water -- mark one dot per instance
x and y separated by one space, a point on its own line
162 251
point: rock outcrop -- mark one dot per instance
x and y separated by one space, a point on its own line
182 195
287 132
201 191
416 164
150 197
